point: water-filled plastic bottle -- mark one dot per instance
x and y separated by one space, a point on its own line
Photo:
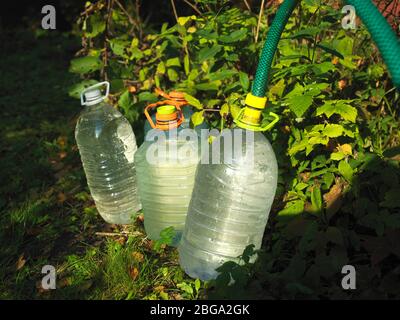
107 146
178 98
230 203
166 164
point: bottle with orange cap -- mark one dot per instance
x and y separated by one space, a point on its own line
165 165
178 99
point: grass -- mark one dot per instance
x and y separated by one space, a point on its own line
46 213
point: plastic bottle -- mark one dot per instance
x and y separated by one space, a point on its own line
166 176
107 146
230 205
178 99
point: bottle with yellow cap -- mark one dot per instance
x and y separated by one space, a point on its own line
166 164
232 195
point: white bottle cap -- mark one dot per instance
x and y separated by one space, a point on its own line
93 95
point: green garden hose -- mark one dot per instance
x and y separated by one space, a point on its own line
381 32
268 52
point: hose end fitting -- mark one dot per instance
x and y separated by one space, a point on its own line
250 116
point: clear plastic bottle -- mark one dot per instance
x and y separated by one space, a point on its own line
229 207
107 146
166 168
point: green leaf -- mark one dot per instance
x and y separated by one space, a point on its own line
235 36
340 107
197 284
224 109
96 25
328 48
147 97
185 287
208 53
345 170
125 101
222 75
333 130
299 105
164 295
85 65
334 235
328 179
172 75
75 90
337 156
173 62
183 20
316 199
392 199
197 118
186 64
161 68
248 252
119 47
207 86
292 208
244 80
193 101
301 98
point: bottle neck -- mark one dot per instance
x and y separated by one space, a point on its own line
93 107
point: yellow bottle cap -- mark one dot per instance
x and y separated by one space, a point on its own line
168 109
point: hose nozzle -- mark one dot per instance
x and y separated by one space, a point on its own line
250 116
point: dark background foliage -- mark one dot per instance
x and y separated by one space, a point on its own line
337 147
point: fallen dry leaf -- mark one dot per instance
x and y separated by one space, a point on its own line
62 154
62 141
342 84
333 199
121 240
61 197
159 288
134 272
138 256
305 176
21 262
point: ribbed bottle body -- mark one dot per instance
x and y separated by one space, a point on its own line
229 207
107 145
166 171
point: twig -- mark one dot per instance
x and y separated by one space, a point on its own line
105 53
194 7
137 8
122 233
247 5
259 19
174 9
131 20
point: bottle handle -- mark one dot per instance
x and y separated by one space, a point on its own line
180 119
265 127
97 85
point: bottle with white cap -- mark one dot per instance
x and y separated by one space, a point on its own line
107 146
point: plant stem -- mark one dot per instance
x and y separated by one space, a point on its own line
259 19
174 9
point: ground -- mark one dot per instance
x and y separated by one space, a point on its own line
47 215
